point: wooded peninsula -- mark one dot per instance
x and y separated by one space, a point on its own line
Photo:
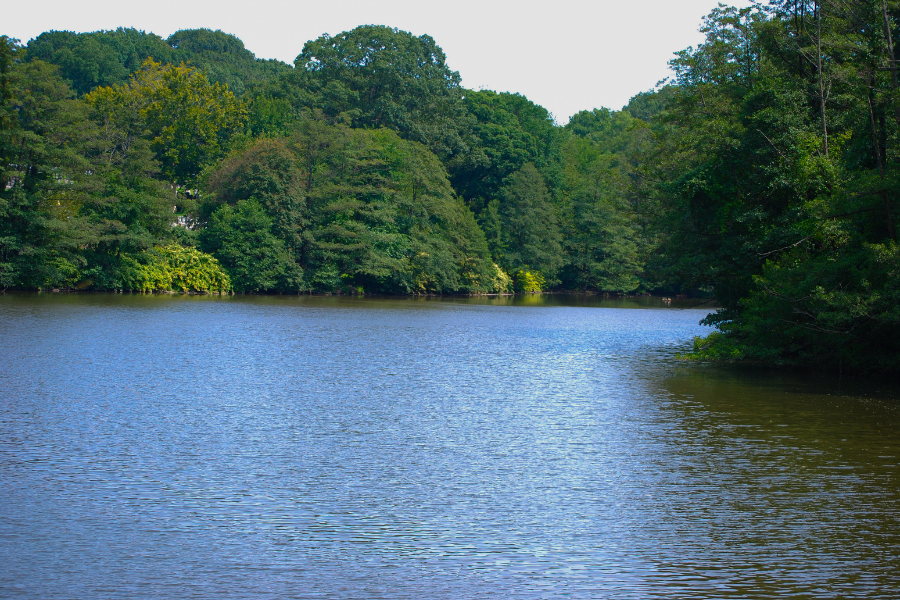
763 174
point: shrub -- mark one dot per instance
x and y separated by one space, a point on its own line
174 268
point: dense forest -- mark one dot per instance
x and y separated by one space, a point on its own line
763 173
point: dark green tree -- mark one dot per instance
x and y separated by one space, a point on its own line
189 121
647 105
106 58
45 144
530 232
270 173
510 131
241 239
610 131
360 209
223 59
777 172
384 77
102 58
600 238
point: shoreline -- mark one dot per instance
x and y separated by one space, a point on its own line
679 301
610 295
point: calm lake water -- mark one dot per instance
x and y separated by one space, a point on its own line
283 447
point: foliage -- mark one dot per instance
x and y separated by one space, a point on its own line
501 283
383 77
223 59
529 281
600 236
811 309
107 58
777 157
99 59
509 132
189 120
269 172
45 138
174 268
648 105
360 209
529 238
609 131
242 241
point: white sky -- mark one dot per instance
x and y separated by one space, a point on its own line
565 55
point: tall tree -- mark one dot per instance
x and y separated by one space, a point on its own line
223 59
98 59
384 77
777 182
190 120
242 240
530 233
599 229
510 131
46 139
106 58
360 209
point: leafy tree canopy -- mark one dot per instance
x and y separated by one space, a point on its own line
102 58
384 77
106 58
766 173
510 131
189 120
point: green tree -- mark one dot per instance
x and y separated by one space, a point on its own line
510 131
74 200
9 122
269 172
241 239
174 268
648 105
107 58
777 172
189 121
98 59
447 251
384 77
530 231
223 59
600 237
609 131
45 139
360 209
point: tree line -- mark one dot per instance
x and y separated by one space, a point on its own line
762 174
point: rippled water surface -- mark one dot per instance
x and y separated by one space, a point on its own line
279 447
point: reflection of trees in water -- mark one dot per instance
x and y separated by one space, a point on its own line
772 469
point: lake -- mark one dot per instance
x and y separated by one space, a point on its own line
537 447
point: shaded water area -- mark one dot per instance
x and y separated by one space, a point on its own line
284 447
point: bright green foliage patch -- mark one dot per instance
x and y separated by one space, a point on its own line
529 282
174 268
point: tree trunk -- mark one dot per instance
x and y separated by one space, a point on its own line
884 194
893 62
821 78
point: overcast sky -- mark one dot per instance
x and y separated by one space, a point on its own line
564 55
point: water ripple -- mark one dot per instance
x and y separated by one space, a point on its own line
339 448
